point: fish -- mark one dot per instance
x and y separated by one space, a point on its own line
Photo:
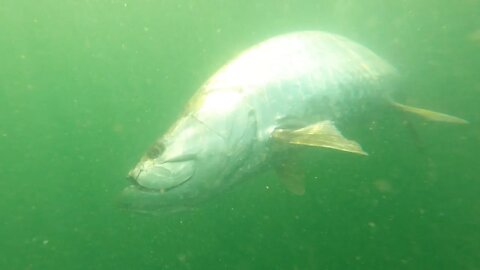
292 90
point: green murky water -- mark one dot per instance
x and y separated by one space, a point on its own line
87 85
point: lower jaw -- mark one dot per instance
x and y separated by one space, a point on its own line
135 199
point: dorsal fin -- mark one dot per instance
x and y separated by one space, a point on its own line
429 115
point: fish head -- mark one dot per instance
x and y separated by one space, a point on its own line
161 170
182 167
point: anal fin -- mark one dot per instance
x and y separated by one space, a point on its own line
430 115
321 134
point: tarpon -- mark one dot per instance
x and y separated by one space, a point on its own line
292 89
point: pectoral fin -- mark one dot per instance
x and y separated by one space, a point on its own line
322 134
430 115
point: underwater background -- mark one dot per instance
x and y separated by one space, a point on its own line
87 85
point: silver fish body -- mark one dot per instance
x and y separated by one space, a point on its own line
226 130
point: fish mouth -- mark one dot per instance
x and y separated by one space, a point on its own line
138 199
133 179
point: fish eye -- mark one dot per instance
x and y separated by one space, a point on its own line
155 151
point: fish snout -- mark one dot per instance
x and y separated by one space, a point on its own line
131 177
